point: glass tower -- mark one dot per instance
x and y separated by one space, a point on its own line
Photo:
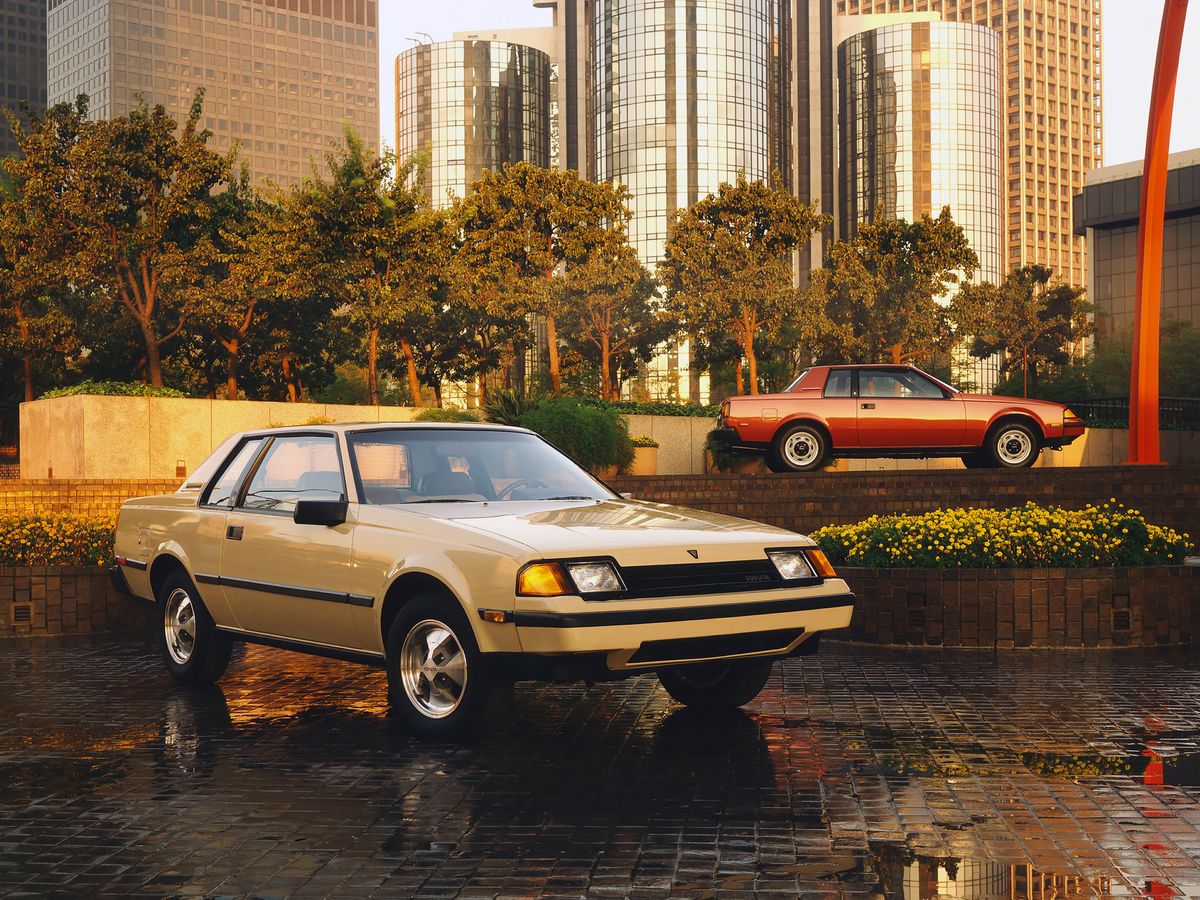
472 105
920 125
22 62
282 78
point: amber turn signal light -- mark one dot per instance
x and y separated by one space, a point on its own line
542 580
820 564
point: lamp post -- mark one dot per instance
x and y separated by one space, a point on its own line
1143 388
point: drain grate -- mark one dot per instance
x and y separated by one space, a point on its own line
1120 620
22 614
916 618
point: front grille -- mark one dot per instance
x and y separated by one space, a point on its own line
678 649
644 582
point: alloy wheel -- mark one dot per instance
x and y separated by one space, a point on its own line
433 668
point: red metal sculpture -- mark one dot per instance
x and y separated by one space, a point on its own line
1143 402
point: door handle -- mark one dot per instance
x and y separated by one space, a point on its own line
868 406
233 532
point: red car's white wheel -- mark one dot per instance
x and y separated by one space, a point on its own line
1014 446
801 448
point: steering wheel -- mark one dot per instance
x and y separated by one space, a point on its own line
524 482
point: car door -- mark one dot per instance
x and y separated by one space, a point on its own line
839 408
280 578
902 409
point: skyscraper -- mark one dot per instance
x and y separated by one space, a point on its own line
1052 115
281 77
472 105
22 62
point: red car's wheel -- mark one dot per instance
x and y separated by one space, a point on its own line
800 448
1013 445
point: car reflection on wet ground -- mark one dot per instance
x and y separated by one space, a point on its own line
858 772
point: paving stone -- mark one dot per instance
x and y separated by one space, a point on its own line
856 773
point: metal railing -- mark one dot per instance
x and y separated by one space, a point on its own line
9 430
1181 413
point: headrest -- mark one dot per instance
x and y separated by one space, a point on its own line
443 484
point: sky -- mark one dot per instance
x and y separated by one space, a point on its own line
1129 40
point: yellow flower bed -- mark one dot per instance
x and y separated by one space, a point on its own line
1028 536
55 539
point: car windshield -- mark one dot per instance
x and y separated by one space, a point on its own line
463 465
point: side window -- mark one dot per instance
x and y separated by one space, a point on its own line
839 383
224 490
879 383
300 467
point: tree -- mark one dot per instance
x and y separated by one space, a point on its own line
129 198
533 224
1027 317
876 297
727 264
611 313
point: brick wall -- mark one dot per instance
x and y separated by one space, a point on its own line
87 497
1008 608
43 601
1167 495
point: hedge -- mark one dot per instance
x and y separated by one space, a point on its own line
55 539
113 389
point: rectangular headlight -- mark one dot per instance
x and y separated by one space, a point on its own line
595 577
791 564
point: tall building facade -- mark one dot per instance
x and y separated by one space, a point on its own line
472 105
1106 214
22 62
282 78
1052 116
919 121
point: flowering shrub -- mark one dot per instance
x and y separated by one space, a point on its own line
55 539
1028 536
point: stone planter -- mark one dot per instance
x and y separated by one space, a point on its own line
1145 606
45 601
645 461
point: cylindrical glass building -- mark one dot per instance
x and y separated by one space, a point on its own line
472 105
920 128
685 94
920 120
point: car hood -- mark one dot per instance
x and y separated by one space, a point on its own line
629 530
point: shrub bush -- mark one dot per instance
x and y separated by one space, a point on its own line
55 539
1028 536
508 407
631 408
113 389
595 437
437 414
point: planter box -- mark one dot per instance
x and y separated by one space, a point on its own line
645 461
1146 606
45 601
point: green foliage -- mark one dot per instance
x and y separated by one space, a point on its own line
593 436
1027 317
112 389
437 414
1028 536
507 406
644 440
635 408
727 263
349 387
875 298
55 539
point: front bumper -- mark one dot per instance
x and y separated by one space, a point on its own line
727 438
649 635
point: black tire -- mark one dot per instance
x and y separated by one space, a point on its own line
195 652
1013 445
717 685
979 461
798 448
441 708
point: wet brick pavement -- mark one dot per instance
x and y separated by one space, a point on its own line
859 772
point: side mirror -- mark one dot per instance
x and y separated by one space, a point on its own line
320 512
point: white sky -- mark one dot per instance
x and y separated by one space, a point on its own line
1129 39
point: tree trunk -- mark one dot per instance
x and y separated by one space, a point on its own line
289 380
605 367
27 363
437 394
897 351
517 369
373 367
231 370
737 372
552 354
1025 374
752 360
26 357
414 383
153 359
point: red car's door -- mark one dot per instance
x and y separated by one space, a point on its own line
900 408
839 408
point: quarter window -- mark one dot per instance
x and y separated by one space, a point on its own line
303 467
840 383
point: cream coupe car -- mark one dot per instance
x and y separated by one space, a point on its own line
462 558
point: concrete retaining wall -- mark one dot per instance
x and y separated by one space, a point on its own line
45 601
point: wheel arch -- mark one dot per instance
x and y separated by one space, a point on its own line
1019 417
165 565
806 419
406 586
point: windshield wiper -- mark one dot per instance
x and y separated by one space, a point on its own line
443 500
569 497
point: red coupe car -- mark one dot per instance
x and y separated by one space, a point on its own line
890 411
